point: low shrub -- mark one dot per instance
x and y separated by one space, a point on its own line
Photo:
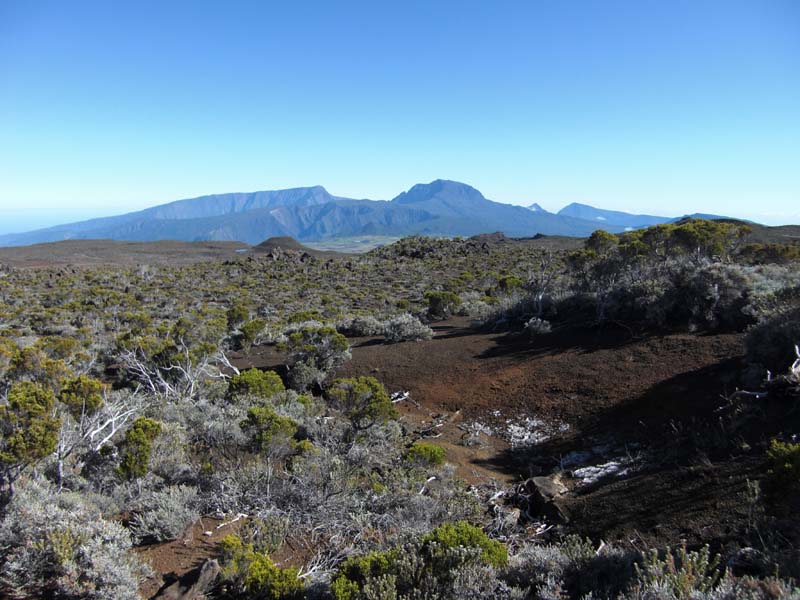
406 327
680 574
251 331
361 327
513 311
784 466
425 454
164 515
571 568
771 343
270 433
136 447
363 400
442 303
254 382
55 545
249 574
462 534
265 533
453 561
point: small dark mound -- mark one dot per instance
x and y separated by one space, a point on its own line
490 238
284 243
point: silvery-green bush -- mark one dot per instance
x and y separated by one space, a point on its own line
406 327
165 514
361 326
56 545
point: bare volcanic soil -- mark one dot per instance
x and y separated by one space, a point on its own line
578 398
506 407
586 397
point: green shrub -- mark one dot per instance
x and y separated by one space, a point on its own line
237 314
251 330
254 382
251 574
601 242
363 400
784 461
82 395
305 447
28 431
305 315
33 364
270 433
344 588
356 570
313 353
761 254
442 303
423 453
509 283
429 567
452 535
137 446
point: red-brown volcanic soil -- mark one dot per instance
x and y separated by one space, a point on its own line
647 397
185 554
611 388
640 394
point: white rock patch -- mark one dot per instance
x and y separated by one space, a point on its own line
532 431
613 468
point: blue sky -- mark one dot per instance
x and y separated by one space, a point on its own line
647 106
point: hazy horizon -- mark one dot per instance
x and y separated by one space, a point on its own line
651 108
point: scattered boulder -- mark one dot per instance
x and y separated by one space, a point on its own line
749 561
542 496
194 585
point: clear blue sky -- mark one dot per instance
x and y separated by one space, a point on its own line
664 107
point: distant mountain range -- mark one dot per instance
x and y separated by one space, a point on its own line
439 208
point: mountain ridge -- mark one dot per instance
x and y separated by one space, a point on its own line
439 208
591 213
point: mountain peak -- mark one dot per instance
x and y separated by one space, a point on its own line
443 190
574 205
536 208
